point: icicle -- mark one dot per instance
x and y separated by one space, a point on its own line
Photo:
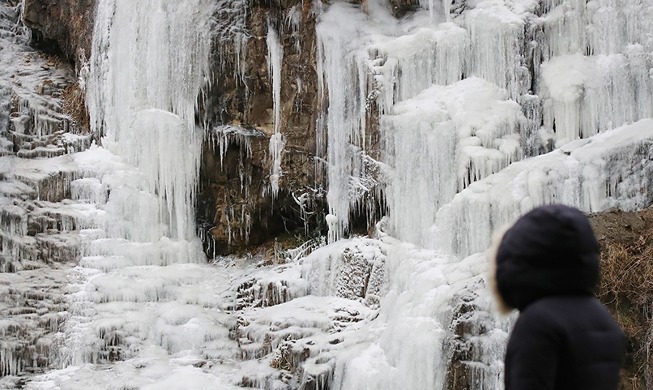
497 37
342 80
277 142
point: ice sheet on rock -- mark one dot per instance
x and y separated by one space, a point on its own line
264 329
89 190
441 141
585 95
118 314
269 287
352 269
417 60
153 371
607 170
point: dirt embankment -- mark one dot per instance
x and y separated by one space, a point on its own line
626 286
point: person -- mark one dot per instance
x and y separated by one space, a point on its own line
547 266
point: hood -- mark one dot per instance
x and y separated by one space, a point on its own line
549 251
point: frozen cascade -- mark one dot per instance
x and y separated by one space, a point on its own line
132 293
611 169
129 107
566 79
476 116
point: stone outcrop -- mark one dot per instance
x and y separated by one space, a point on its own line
63 27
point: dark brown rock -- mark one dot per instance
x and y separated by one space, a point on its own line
234 212
62 27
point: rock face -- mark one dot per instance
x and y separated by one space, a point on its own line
626 240
238 206
63 27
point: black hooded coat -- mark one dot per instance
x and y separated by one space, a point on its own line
547 267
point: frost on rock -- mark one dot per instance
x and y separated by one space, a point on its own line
355 271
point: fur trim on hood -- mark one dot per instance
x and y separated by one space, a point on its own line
491 254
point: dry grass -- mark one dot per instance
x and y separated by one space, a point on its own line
626 287
74 105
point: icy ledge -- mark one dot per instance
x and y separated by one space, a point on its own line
611 169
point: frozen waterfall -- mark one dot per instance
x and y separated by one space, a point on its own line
458 117
484 114
131 293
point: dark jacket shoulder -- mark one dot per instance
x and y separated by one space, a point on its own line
565 342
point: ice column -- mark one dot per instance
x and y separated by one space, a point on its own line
342 83
277 141
149 62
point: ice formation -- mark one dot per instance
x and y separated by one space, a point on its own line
461 116
132 289
483 115
275 58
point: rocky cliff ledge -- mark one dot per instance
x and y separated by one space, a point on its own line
63 27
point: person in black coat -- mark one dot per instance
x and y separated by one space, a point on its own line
547 266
